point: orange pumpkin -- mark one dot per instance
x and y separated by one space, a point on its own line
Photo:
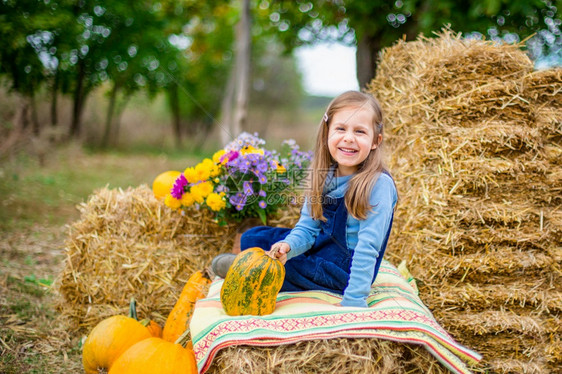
252 283
180 316
163 183
108 340
153 327
155 355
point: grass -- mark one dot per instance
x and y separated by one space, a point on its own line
33 194
37 201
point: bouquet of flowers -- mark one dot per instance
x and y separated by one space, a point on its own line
242 180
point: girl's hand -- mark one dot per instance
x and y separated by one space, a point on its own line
279 251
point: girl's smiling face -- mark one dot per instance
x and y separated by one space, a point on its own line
351 137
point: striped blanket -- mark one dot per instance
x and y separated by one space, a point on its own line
395 313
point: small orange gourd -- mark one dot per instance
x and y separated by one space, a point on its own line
156 355
180 316
153 327
108 340
252 283
113 336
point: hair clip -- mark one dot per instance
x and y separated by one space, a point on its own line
325 117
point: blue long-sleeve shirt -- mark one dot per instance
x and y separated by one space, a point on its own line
365 237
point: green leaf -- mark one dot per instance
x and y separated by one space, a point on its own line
262 215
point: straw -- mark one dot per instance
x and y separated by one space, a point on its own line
475 139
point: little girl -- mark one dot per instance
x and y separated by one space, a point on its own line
339 241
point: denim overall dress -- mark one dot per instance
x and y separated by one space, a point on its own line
327 264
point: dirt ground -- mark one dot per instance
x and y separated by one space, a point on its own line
30 337
36 203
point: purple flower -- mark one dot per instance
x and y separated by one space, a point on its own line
238 200
179 187
244 140
247 187
261 178
253 158
262 166
233 165
262 193
222 188
262 204
241 164
245 166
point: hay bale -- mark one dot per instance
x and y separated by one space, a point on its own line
328 356
129 244
475 136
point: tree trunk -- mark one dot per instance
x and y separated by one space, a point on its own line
238 86
109 116
413 24
79 96
10 143
369 46
20 114
243 56
117 125
175 106
367 49
25 110
225 124
34 116
54 99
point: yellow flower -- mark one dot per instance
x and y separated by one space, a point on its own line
215 170
206 188
172 202
280 168
203 169
215 202
217 157
213 167
187 199
201 191
249 150
191 175
196 194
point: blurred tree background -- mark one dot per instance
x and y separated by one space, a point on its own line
160 72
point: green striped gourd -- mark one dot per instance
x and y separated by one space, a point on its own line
252 284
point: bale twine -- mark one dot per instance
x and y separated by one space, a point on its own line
475 136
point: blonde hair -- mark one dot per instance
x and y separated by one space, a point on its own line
362 183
